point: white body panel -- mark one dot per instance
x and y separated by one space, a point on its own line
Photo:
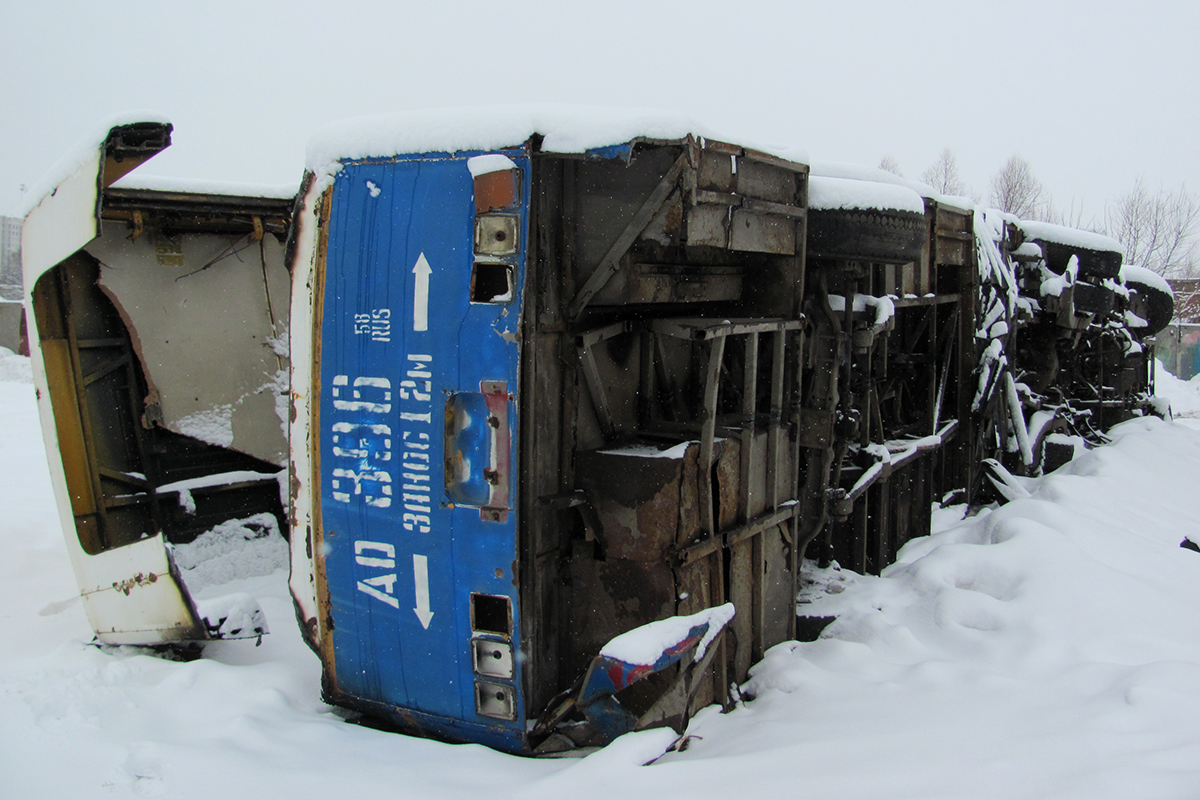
154 610
62 223
131 597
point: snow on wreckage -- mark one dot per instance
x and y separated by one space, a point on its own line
565 391
161 396
488 369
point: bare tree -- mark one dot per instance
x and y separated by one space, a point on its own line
942 175
1157 229
1015 190
889 164
1071 216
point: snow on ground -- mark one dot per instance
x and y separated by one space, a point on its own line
1184 396
1049 648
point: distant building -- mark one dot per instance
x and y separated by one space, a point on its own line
10 258
1177 347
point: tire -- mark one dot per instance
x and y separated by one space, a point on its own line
1092 263
872 234
1157 307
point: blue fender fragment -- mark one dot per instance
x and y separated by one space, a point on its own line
610 673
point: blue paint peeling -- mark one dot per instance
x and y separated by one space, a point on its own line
399 339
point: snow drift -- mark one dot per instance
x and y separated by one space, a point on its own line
1048 648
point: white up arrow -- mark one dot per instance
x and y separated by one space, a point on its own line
422 271
421 579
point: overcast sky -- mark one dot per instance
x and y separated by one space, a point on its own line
1092 94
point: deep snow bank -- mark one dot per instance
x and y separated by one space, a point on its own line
1183 396
1046 649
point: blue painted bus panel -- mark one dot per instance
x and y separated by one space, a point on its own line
399 338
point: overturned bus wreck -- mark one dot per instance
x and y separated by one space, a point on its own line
569 401
158 326
545 398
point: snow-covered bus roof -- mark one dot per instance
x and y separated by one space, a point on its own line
858 172
1072 237
844 193
563 128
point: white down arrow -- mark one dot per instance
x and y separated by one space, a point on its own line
421 580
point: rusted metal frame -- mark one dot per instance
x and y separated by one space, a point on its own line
931 368
923 325
1099 403
663 378
697 551
712 384
750 204
861 527
197 221
845 347
118 200
720 664
761 601
750 378
945 434
883 526
576 499
749 554
749 427
865 368
792 529
597 335
647 387
936 300
823 395
770 208
611 263
701 329
763 522
262 260
907 453
541 502
106 368
218 489
692 428
775 423
724 148
948 331
124 478
85 417
564 272
877 412
149 467
739 533
751 154
591 373
127 501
